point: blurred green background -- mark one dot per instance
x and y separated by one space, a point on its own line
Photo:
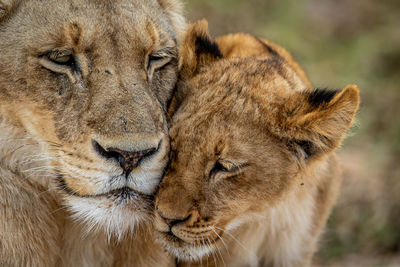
339 42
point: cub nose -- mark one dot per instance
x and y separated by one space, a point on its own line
171 221
128 160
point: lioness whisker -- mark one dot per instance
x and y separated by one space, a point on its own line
41 168
68 123
33 160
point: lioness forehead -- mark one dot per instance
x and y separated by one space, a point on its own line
131 24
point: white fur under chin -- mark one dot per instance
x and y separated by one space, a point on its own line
194 253
120 217
100 214
28 155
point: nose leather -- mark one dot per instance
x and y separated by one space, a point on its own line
128 160
173 221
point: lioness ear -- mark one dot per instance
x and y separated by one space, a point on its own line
174 11
6 7
317 121
198 49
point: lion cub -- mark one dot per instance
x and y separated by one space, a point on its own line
253 174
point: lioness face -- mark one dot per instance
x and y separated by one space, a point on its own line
89 81
241 139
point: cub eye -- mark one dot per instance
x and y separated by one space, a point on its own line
226 169
60 57
218 167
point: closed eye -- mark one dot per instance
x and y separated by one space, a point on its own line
226 168
217 167
61 57
60 61
159 59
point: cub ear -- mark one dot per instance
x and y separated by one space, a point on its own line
198 49
317 121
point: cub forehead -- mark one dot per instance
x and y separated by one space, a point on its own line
241 68
214 136
234 81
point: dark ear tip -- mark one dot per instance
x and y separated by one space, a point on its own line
204 45
321 96
202 39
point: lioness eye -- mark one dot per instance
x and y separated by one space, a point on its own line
157 62
60 57
153 59
218 167
159 59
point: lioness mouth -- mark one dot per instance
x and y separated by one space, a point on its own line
124 194
121 195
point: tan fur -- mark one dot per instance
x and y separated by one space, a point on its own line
253 174
61 202
245 45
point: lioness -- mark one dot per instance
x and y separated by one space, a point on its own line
253 175
84 86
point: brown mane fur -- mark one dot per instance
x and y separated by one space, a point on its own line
253 174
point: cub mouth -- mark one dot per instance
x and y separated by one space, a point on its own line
198 241
199 246
170 237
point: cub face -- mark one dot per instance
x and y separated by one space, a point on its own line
245 132
88 83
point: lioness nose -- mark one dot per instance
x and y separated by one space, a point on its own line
128 160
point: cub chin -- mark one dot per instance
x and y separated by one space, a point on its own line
253 175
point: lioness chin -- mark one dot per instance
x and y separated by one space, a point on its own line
84 87
253 175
